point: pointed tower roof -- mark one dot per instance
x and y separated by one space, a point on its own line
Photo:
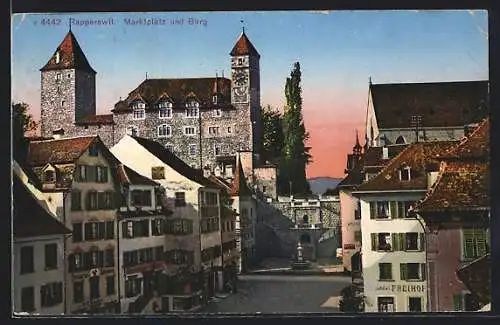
244 47
357 146
68 55
239 186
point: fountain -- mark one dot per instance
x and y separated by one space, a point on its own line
300 263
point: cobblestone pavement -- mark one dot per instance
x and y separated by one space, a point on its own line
282 294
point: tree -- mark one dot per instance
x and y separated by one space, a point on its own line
296 154
272 137
351 300
22 122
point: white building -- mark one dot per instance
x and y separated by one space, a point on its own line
38 265
393 245
194 202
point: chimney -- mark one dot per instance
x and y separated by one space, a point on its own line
385 153
57 134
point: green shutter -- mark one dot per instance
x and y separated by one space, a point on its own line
422 247
458 302
423 270
468 242
87 200
105 174
373 210
395 242
480 238
401 209
402 241
393 210
374 241
403 267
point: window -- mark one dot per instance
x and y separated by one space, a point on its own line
92 200
357 236
50 256
110 230
139 114
132 286
170 147
93 150
110 285
132 130
157 227
213 130
192 150
179 227
63 103
189 130
58 59
27 260
216 112
411 241
78 291
28 299
412 271
158 172
381 242
128 229
51 294
404 174
179 256
140 198
385 304
218 149
164 131
240 61
101 174
77 232
379 210
229 130
76 200
474 241
192 109
180 199
94 287
385 271
49 176
58 77
165 110
400 140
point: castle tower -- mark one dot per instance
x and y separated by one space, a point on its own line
67 88
245 88
354 158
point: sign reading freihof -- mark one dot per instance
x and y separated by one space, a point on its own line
402 288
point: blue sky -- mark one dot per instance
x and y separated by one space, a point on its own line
338 52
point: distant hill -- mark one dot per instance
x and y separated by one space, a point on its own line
320 184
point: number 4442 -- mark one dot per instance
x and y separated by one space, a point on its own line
50 21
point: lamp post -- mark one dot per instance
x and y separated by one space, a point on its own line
412 214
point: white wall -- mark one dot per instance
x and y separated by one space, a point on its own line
348 205
40 276
370 259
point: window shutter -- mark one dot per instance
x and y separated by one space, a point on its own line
393 211
480 237
404 271
468 242
101 230
401 209
71 262
373 210
105 174
124 230
87 200
395 242
86 260
458 302
402 241
100 259
374 241
422 247
423 270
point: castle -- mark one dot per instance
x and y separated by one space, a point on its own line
207 122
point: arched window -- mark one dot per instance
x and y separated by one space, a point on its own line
400 140
305 239
305 219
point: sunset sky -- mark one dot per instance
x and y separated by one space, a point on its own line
338 52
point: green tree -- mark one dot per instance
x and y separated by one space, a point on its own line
272 135
22 122
351 300
296 154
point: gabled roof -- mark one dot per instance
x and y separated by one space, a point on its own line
31 219
173 161
70 56
373 157
353 178
126 175
239 186
439 103
416 156
96 120
475 146
178 90
460 186
243 46
477 277
58 151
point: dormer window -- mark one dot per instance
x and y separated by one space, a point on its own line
93 151
192 109
405 173
58 57
49 176
165 109
139 110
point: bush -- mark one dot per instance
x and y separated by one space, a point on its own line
352 300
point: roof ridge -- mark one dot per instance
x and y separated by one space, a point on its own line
468 137
65 138
428 82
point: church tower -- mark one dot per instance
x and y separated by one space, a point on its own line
245 89
67 88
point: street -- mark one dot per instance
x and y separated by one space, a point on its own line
282 294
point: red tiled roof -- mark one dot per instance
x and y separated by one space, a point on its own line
244 47
373 156
71 56
475 146
30 218
178 90
477 277
174 162
58 151
239 186
460 186
96 119
415 156
127 175
439 103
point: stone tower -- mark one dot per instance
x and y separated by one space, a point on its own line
67 88
245 88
